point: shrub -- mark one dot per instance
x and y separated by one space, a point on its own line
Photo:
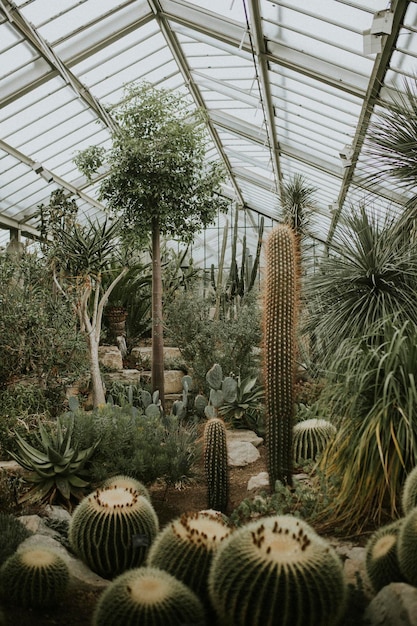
204 341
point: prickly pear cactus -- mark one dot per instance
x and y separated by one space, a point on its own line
34 577
185 548
216 464
310 438
112 529
279 344
407 547
120 480
381 557
409 492
277 571
150 596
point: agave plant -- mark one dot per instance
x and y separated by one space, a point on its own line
244 410
56 470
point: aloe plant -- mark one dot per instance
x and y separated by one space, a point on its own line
56 470
244 409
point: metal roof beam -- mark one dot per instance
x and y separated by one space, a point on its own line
381 66
194 90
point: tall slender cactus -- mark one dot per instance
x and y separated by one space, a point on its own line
216 464
279 337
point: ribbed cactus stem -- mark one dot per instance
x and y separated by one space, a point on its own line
279 338
216 464
277 571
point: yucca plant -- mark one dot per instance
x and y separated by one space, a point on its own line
56 470
373 388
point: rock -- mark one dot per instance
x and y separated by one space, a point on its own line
172 378
241 434
258 481
394 605
57 513
81 576
142 356
127 377
241 453
110 357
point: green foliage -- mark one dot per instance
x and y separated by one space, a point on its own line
409 492
112 529
216 467
35 578
203 341
157 166
131 443
280 558
56 468
150 596
369 276
374 391
12 533
279 338
38 334
311 437
186 546
245 409
381 558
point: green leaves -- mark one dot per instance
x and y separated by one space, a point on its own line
56 468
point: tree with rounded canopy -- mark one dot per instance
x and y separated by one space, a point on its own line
159 182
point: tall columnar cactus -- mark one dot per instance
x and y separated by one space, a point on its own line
112 529
381 557
279 343
310 438
407 547
34 577
277 571
216 464
185 548
409 492
150 596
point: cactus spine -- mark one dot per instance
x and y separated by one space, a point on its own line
279 339
120 480
277 571
216 464
112 529
148 596
409 493
185 548
381 557
34 577
310 438
407 547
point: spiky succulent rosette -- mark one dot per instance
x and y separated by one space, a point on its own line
112 529
277 571
34 577
381 558
121 480
185 548
148 596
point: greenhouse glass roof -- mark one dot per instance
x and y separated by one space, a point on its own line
289 88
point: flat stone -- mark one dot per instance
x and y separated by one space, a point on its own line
241 434
241 453
258 481
172 380
394 605
128 377
110 357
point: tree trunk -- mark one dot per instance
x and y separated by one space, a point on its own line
157 325
96 381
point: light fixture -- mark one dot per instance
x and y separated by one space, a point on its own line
46 175
382 23
333 208
346 155
372 44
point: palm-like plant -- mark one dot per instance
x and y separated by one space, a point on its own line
370 275
374 390
297 201
391 139
81 255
